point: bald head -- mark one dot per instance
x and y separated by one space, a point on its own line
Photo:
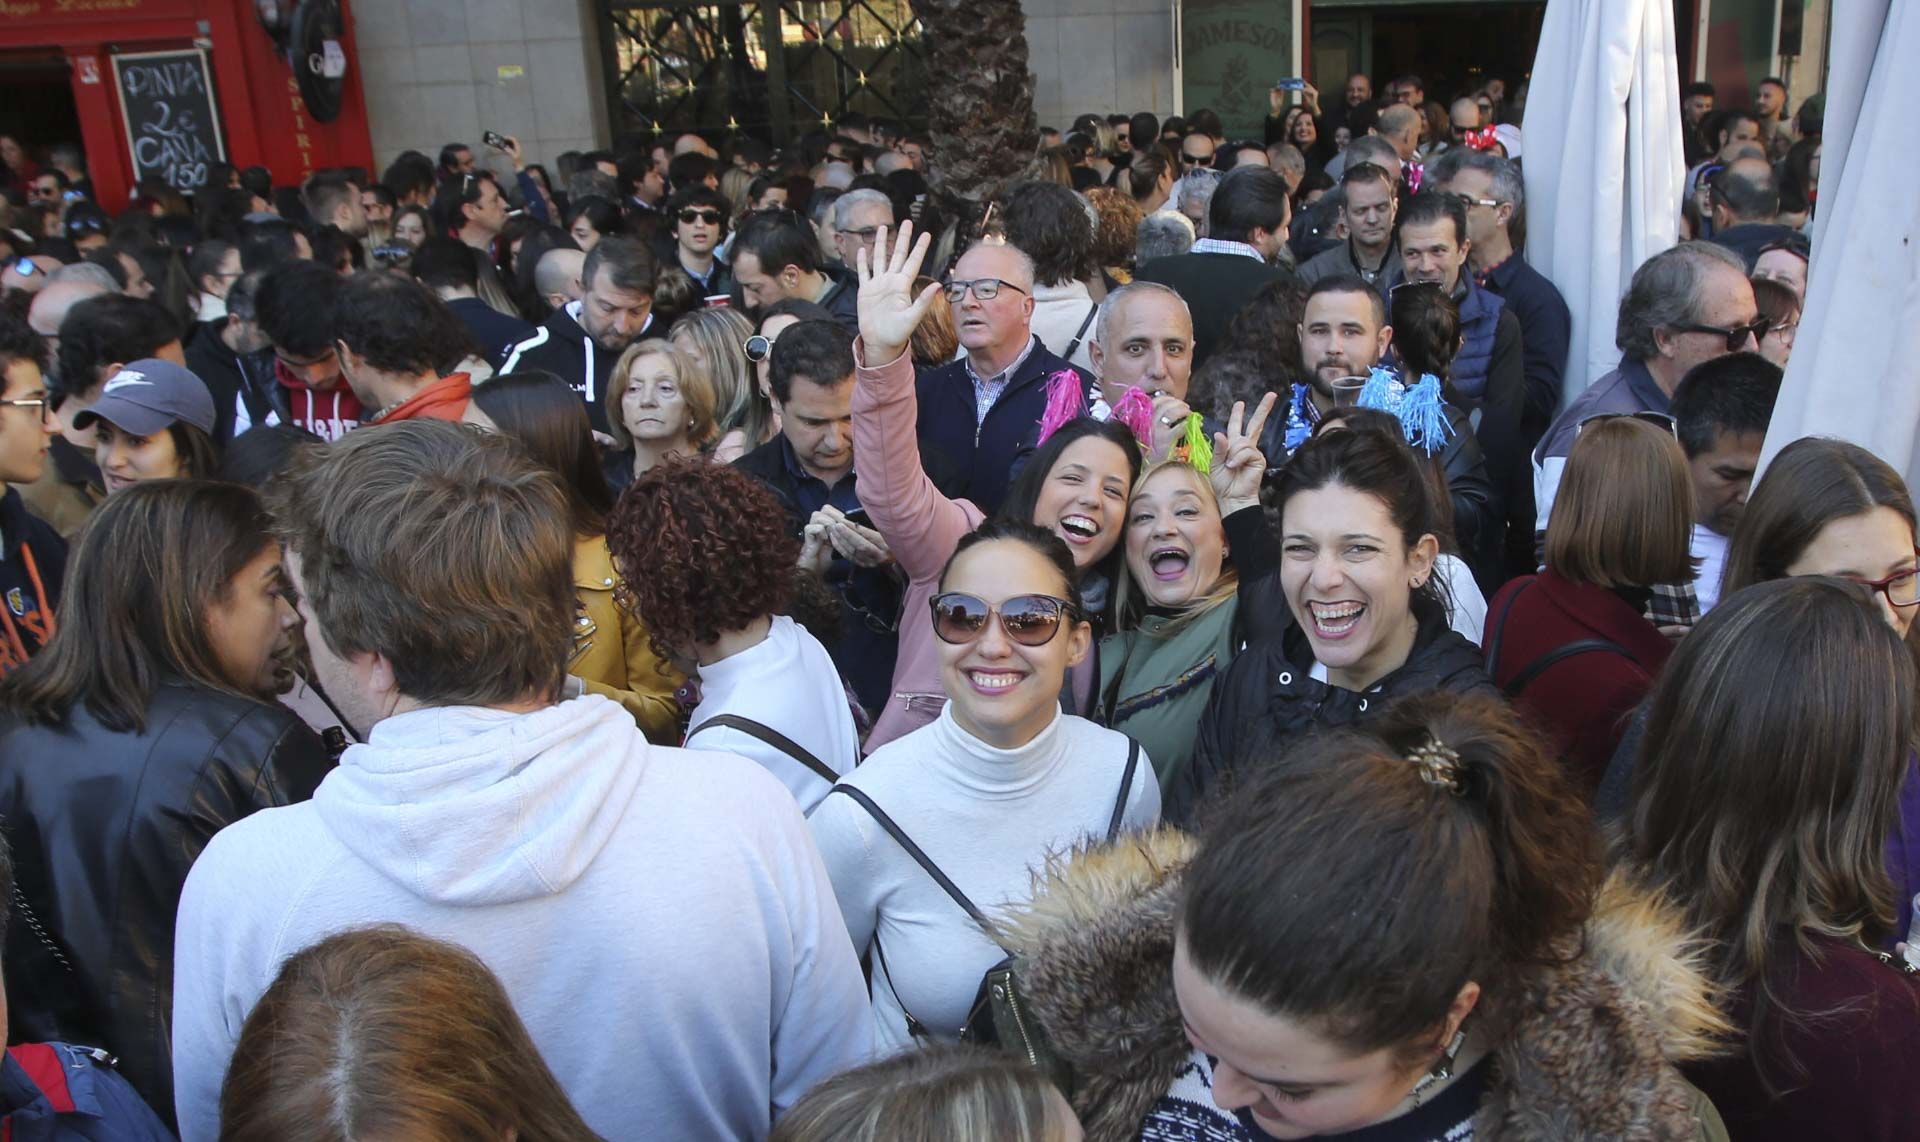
1745 192
557 276
1400 126
994 330
1465 115
51 305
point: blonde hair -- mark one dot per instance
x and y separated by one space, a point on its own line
718 337
1130 600
1624 514
382 1032
935 1094
935 340
735 186
696 389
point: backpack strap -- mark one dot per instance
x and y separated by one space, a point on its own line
1073 346
1126 786
921 858
1491 651
770 736
1538 666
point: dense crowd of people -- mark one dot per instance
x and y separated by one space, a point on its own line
722 643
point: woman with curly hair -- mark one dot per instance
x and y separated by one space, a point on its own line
613 656
708 558
1118 218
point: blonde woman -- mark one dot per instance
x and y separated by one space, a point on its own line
664 406
1190 539
934 1094
715 342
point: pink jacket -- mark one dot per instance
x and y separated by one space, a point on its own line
921 527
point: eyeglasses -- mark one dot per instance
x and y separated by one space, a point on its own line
864 233
1194 160
46 190
1659 420
759 348
1469 201
1901 589
986 289
1030 620
710 217
41 406
1736 336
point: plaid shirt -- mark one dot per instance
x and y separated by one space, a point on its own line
987 390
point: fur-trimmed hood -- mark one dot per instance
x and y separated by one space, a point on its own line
1591 1055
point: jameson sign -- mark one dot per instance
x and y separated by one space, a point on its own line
172 123
1232 53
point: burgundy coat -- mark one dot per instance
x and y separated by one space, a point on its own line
1576 659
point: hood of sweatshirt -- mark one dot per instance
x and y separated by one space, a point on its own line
465 805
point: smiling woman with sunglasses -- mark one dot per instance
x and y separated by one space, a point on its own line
1000 780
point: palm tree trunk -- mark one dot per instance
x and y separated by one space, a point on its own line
980 114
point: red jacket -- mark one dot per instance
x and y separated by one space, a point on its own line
1610 657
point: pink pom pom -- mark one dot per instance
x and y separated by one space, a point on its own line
1135 410
1064 402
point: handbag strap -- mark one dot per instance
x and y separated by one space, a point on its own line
1526 675
1491 652
771 737
905 842
1080 335
1126 786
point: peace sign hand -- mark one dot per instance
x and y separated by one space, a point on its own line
1238 463
889 312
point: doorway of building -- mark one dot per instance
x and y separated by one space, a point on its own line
36 100
1453 48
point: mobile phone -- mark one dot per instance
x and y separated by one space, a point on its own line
1291 83
859 516
494 139
73 196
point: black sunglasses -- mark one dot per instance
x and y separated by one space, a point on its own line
710 217
759 348
1030 620
1195 160
1736 336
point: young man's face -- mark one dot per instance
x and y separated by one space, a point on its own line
1698 107
26 431
1722 477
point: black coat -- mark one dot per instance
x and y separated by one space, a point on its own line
561 347
104 827
1215 287
1267 698
985 451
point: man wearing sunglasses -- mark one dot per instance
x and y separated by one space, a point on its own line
33 557
698 216
1685 306
1196 151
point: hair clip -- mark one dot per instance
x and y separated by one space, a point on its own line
1439 765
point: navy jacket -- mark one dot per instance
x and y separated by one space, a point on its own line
495 333
55 1092
1546 329
984 451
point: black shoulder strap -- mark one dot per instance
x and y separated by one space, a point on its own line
904 841
1538 666
772 737
1080 335
1126 786
1490 653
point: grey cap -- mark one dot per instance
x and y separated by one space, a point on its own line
147 396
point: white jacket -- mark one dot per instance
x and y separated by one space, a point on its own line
659 917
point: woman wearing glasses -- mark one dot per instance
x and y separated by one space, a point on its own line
1000 779
1075 484
1574 646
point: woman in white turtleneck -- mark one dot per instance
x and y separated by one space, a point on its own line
987 791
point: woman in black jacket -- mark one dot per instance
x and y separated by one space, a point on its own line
145 726
1368 620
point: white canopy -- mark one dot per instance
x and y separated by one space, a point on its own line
1855 371
1605 168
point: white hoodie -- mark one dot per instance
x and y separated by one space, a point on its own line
659 917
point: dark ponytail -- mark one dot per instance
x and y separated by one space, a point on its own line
1426 329
1360 883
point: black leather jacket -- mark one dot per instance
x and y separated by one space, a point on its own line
104 827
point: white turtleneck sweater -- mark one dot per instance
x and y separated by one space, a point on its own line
987 817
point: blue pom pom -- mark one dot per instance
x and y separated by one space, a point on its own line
1382 390
1423 417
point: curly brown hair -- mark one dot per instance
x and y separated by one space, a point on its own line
704 549
1119 218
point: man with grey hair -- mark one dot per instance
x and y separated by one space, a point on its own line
1745 200
858 216
1685 306
982 411
1193 193
66 287
1400 127
1161 235
1490 188
1367 149
1288 163
1143 339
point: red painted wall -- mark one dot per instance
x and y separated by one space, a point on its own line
264 120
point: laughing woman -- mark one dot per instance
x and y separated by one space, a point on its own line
1075 485
1358 549
1190 540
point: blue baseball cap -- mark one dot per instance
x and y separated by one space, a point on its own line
149 395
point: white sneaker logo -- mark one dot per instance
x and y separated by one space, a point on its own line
126 379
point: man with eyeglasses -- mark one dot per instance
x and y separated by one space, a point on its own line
1490 189
47 187
698 215
858 216
776 256
33 557
1196 151
1369 207
1685 306
981 412
1463 118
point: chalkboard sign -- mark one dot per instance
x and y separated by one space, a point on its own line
172 121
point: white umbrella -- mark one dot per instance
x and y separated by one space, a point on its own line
1855 371
1604 163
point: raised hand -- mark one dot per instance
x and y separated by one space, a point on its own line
1238 463
889 311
